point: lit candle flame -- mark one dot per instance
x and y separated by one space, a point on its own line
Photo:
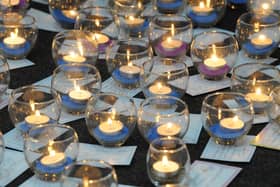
258 91
37 113
128 55
50 148
235 118
172 30
97 22
113 114
32 105
265 6
219 114
80 48
14 34
164 160
257 27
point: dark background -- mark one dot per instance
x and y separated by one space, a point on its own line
263 170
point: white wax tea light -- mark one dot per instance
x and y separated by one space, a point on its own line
72 14
232 123
258 96
79 95
53 158
261 41
14 41
170 44
10 2
130 69
169 129
37 118
214 62
74 58
111 126
101 38
166 166
203 9
133 22
160 89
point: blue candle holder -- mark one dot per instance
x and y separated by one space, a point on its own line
24 127
213 74
178 93
72 105
17 51
204 20
251 50
126 80
63 20
171 53
169 7
58 169
238 1
135 31
111 139
220 132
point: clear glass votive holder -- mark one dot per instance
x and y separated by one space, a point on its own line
19 6
18 36
4 76
265 6
258 33
48 149
125 59
89 173
256 81
169 6
31 106
74 46
111 118
227 117
164 77
65 12
75 85
130 20
274 109
163 116
170 35
214 54
168 162
206 13
100 21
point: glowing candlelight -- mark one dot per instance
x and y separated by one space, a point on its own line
129 69
10 2
160 89
53 158
261 41
14 41
214 62
72 14
111 126
166 166
101 38
203 8
74 58
258 96
133 22
37 118
232 123
78 94
169 129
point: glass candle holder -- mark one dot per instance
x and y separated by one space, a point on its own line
206 13
18 36
163 116
274 109
256 81
75 84
111 118
169 6
89 173
19 6
164 76
48 149
170 35
265 6
74 46
32 106
125 59
214 54
65 12
130 20
258 33
168 162
227 116
99 21
4 76
2 147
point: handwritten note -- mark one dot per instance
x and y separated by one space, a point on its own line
194 129
242 152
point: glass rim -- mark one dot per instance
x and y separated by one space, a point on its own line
148 100
31 21
206 104
171 16
84 10
18 91
261 13
34 128
168 138
267 66
73 65
275 90
102 162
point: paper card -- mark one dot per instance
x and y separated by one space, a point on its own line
137 102
15 64
4 101
45 21
194 129
45 81
44 2
188 61
13 139
261 118
35 182
233 153
198 85
204 174
268 137
12 166
278 66
201 30
114 155
111 86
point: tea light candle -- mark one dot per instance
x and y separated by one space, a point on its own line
37 118
79 95
74 58
72 14
232 123
53 159
171 44
10 2
169 129
258 96
130 70
14 41
111 126
261 41
133 22
202 9
166 166
160 89
214 62
101 38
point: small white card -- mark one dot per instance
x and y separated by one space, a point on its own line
205 174
278 66
201 30
45 21
44 2
113 155
198 85
13 139
194 129
45 82
15 64
233 153
188 61
12 166
4 101
268 137
111 86
260 118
